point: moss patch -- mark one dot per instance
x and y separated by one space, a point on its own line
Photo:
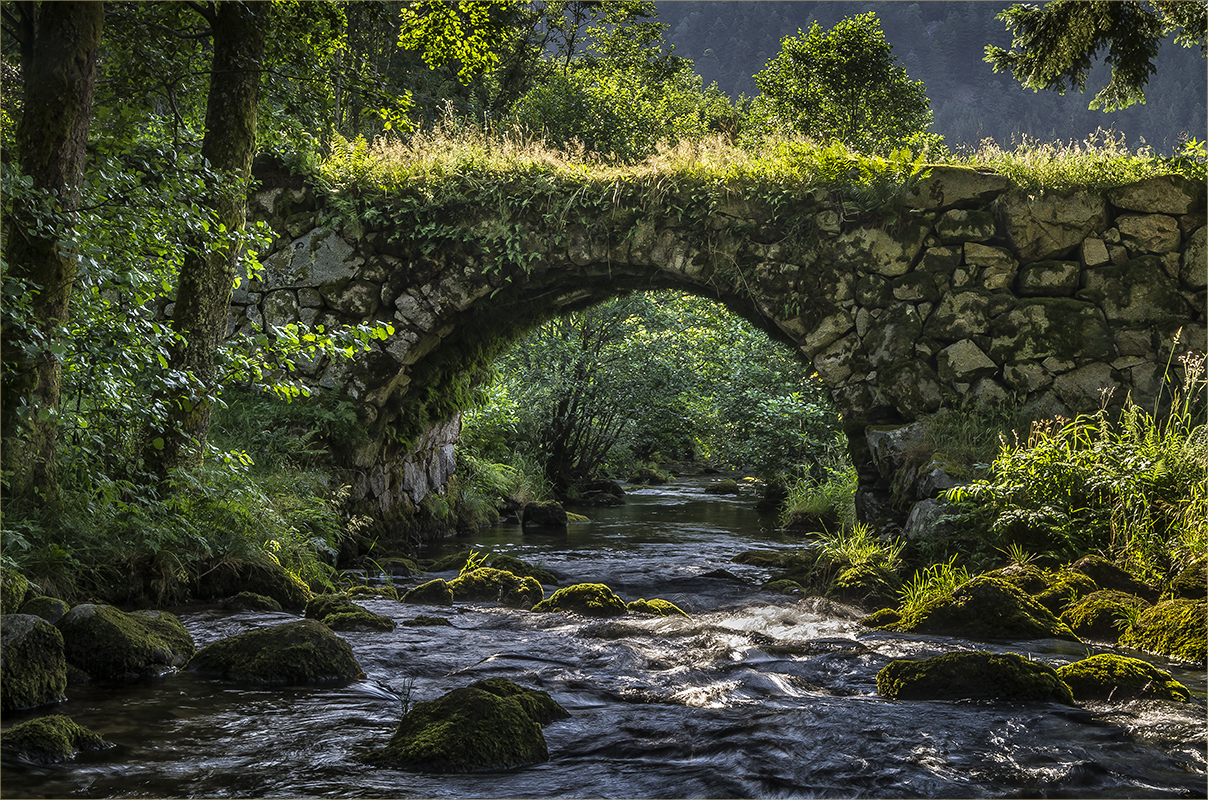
1097 616
972 676
433 593
1172 628
107 643
1030 579
324 605
296 653
33 669
495 585
50 739
389 592
357 618
986 608
783 586
768 559
589 599
523 569
271 580
1192 583
250 601
50 609
885 618
1112 677
1065 589
488 725
656 607
13 588
866 585
727 486
1107 575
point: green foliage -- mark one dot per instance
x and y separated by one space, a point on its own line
842 85
858 545
832 496
927 584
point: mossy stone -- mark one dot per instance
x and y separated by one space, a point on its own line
296 653
1097 615
727 486
1107 575
433 593
1112 677
1064 589
762 558
523 569
986 608
973 676
496 585
50 739
250 601
33 668
649 477
886 617
324 605
1029 578
589 599
50 609
1171 628
866 585
13 588
107 643
485 726
357 618
1192 583
271 580
783 586
399 566
656 608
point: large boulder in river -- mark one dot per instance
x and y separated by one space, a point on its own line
433 593
498 586
985 608
1111 677
49 739
549 515
589 599
106 642
271 580
296 653
33 670
972 676
489 725
1171 628
1098 614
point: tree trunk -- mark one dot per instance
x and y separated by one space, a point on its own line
59 44
207 276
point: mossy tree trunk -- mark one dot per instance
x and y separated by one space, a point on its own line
59 44
208 274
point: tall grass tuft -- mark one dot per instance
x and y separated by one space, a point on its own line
934 581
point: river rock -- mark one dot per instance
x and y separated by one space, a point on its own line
108 643
986 608
589 599
1098 614
544 515
655 608
497 586
489 725
1107 575
1112 677
1172 628
50 609
296 653
250 601
33 669
50 739
270 580
973 676
523 569
433 593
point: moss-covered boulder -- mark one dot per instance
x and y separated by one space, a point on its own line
250 601
655 608
488 725
647 476
50 609
783 586
358 618
323 605
270 579
49 739
548 515
495 585
13 588
296 653
1191 583
1099 614
33 669
589 599
1113 677
1107 575
1173 628
985 608
108 643
1028 577
768 559
972 676
866 585
433 593
523 569
1064 589
726 486
398 566
884 618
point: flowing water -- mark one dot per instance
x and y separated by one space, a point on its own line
757 695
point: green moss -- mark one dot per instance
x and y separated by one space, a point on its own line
1064 589
1098 615
727 486
589 599
427 622
356 618
1107 575
1113 677
1029 578
1172 628
433 593
866 585
50 609
50 739
972 676
783 586
523 569
13 588
250 601
106 643
296 653
986 608
495 585
1192 583
398 566
647 476
33 669
886 617
325 605
271 580
486 726
656 607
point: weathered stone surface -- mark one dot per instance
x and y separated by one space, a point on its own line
959 316
296 653
1083 388
1049 278
1026 377
1165 194
941 260
1193 271
544 515
888 444
1042 327
319 258
964 361
973 676
107 643
892 336
915 287
913 388
876 250
986 608
1048 226
951 187
960 225
1150 233
1137 292
1094 252
33 669
281 307
921 522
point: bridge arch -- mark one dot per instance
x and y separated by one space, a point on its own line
973 291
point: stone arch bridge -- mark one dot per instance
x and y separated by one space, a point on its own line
973 290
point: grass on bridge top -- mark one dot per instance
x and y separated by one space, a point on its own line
444 157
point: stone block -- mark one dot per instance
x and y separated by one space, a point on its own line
983 255
1150 233
1083 389
941 260
959 316
960 225
875 250
1094 252
1061 327
952 187
1049 225
1026 377
892 336
964 361
1134 293
915 287
1193 271
281 307
1049 278
358 298
1165 194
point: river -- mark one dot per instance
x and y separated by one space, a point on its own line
757 695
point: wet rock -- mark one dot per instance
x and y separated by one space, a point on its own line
986 608
453 561
1064 588
323 605
973 676
357 618
1107 575
433 593
33 669
388 592
1026 577
497 586
1100 615
589 599
544 515
783 586
726 486
296 653
523 569
50 739
489 725
866 585
250 601
427 622
649 477
108 643
655 608
50 609
1172 628
1113 677
883 618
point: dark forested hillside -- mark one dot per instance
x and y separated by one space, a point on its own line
941 44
